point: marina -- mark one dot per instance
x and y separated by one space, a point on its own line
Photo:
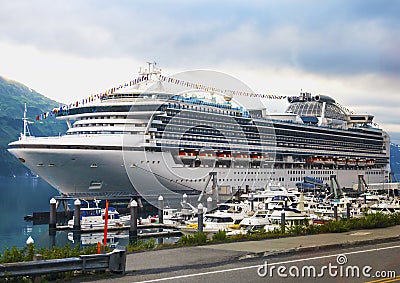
273 208
223 164
160 134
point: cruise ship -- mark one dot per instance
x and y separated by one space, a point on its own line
149 138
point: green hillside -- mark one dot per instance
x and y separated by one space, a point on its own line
13 95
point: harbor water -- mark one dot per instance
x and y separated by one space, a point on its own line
21 196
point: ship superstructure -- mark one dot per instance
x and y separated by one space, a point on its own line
148 139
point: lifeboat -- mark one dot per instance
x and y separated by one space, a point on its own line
242 157
258 157
316 160
329 161
224 156
370 162
207 156
187 155
361 162
351 162
341 161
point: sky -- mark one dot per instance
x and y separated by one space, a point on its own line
350 50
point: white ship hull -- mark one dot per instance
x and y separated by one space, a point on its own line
97 171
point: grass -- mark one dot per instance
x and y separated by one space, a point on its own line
190 240
141 245
369 221
26 253
12 255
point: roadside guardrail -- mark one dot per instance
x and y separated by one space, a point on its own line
114 261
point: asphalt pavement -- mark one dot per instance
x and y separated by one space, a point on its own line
179 259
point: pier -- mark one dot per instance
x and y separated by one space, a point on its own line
57 219
122 228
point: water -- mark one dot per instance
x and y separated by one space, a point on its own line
22 196
19 197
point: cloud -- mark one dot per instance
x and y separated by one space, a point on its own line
334 37
346 49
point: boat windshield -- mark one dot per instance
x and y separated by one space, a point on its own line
217 219
91 212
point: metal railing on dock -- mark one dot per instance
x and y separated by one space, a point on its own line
114 261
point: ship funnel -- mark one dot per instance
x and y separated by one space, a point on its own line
324 98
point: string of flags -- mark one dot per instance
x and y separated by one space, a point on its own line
92 98
99 96
215 89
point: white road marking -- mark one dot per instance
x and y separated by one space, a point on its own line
256 266
359 234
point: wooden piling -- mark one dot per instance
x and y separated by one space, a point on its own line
160 209
200 218
77 215
133 223
53 217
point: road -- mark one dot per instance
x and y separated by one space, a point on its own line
369 263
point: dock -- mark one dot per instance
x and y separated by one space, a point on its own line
171 230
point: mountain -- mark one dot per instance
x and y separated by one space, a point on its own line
395 159
13 95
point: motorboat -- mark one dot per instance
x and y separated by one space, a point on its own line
293 217
222 218
93 218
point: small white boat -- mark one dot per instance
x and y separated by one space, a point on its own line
93 218
273 195
293 217
325 210
226 215
172 216
212 223
259 218
250 224
385 207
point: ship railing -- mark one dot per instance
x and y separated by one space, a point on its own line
196 101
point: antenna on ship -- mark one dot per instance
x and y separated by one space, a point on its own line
150 65
26 131
153 72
